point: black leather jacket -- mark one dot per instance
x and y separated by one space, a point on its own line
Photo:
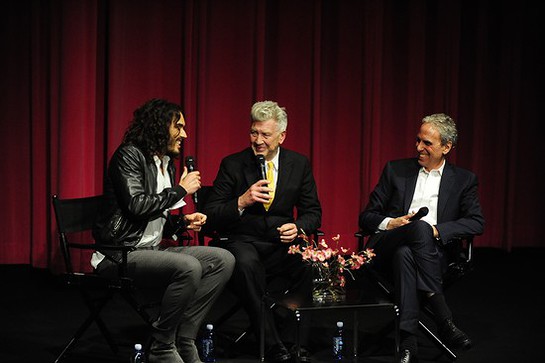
131 199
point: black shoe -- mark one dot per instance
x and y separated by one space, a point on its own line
406 356
278 354
454 337
304 355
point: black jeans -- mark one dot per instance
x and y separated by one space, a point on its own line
410 257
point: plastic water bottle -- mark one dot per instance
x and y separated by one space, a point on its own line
138 355
207 345
338 342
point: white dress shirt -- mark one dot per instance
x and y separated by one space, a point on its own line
426 194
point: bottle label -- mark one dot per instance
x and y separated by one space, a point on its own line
337 346
208 350
138 358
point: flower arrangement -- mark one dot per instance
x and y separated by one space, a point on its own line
329 264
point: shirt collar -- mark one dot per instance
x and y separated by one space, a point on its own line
275 160
439 170
158 160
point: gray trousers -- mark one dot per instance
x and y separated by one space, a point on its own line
192 278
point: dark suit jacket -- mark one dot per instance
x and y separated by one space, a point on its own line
458 209
295 189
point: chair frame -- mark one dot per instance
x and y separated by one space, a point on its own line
77 215
460 263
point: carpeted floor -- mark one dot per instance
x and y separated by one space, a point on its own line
500 305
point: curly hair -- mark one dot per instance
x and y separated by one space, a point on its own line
149 128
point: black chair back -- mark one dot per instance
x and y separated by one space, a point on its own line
75 220
72 216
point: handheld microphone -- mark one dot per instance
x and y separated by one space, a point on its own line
190 164
261 163
422 212
262 170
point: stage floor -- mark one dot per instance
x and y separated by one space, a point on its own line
500 305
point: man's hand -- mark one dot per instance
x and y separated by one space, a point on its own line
195 221
435 232
191 182
258 192
399 221
288 232
403 220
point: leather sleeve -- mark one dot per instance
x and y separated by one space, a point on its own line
133 180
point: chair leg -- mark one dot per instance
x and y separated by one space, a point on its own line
437 341
262 330
227 315
241 335
95 307
106 333
141 310
434 338
271 306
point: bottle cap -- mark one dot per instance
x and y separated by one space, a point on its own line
138 346
209 326
340 324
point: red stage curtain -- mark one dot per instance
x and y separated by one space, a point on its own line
355 76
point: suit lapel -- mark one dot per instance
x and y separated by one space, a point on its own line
410 184
447 181
284 173
250 168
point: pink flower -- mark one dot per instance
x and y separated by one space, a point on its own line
332 262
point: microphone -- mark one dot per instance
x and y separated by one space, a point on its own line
262 170
190 164
421 213
261 163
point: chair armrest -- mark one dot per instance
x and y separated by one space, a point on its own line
114 248
122 267
458 253
462 246
98 247
360 235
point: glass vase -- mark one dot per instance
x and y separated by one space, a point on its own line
327 287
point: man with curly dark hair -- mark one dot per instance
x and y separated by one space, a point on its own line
140 191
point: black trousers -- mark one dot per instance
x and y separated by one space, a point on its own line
410 257
256 264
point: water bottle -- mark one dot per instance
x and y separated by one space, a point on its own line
207 345
138 355
338 342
